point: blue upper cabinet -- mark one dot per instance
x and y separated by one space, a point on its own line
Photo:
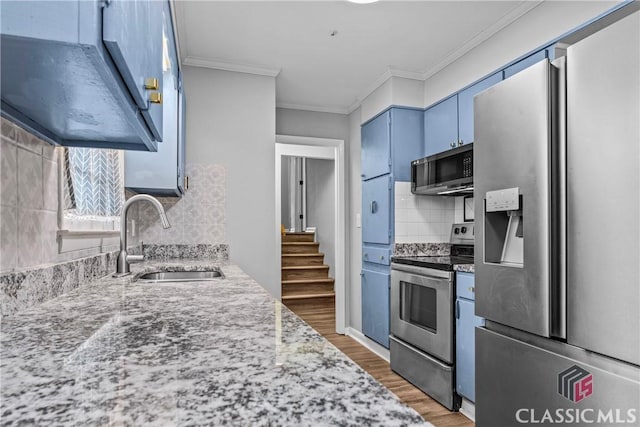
441 126
128 25
80 73
465 106
525 63
162 173
376 143
391 141
407 136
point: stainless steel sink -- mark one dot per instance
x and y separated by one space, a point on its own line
179 276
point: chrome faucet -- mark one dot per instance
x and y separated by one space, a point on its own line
124 259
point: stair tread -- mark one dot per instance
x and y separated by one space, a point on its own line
313 254
316 280
306 267
300 243
298 233
308 296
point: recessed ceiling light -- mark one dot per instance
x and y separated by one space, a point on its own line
362 1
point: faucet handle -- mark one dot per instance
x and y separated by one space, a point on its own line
135 258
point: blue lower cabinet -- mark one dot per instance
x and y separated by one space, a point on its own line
375 306
466 323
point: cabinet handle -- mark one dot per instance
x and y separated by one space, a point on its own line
151 83
457 309
373 206
362 175
186 182
381 257
453 144
366 255
460 143
155 98
472 289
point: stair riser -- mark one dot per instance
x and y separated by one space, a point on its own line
302 261
321 273
298 238
318 302
306 288
300 249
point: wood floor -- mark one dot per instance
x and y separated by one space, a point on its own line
321 316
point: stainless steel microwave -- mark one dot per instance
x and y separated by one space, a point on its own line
448 173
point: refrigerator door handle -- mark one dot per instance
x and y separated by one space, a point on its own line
558 311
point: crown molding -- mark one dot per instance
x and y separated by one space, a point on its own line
315 108
195 61
509 18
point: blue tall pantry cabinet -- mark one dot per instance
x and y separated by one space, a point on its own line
390 141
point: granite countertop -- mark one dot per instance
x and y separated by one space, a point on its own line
223 351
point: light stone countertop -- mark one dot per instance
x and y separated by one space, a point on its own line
224 351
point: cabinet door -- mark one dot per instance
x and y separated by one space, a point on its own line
375 306
465 106
182 130
441 126
376 210
466 322
376 147
525 63
132 32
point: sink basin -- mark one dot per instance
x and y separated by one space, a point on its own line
179 276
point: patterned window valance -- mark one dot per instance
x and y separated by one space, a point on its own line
93 182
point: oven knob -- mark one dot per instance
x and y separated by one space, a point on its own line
463 229
456 230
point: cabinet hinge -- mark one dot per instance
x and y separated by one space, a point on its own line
301 182
301 216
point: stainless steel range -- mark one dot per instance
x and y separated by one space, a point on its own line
422 341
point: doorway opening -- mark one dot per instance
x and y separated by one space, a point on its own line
310 205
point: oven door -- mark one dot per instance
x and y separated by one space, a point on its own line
422 309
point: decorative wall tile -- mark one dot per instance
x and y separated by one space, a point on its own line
28 141
50 185
29 180
8 237
9 173
29 238
49 224
197 217
7 129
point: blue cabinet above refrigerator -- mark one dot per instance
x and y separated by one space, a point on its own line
84 73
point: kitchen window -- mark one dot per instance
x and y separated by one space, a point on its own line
91 194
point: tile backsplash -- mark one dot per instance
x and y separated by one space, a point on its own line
196 218
424 219
28 199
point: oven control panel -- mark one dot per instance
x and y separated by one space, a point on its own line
462 233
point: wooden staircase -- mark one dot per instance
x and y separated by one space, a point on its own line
305 277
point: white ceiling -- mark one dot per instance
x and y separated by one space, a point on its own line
315 71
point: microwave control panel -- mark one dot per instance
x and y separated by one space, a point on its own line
467 165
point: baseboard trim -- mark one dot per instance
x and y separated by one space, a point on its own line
468 409
371 345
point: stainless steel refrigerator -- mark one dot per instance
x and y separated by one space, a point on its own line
557 193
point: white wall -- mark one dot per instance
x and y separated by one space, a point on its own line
231 122
354 296
542 24
321 206
394 91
